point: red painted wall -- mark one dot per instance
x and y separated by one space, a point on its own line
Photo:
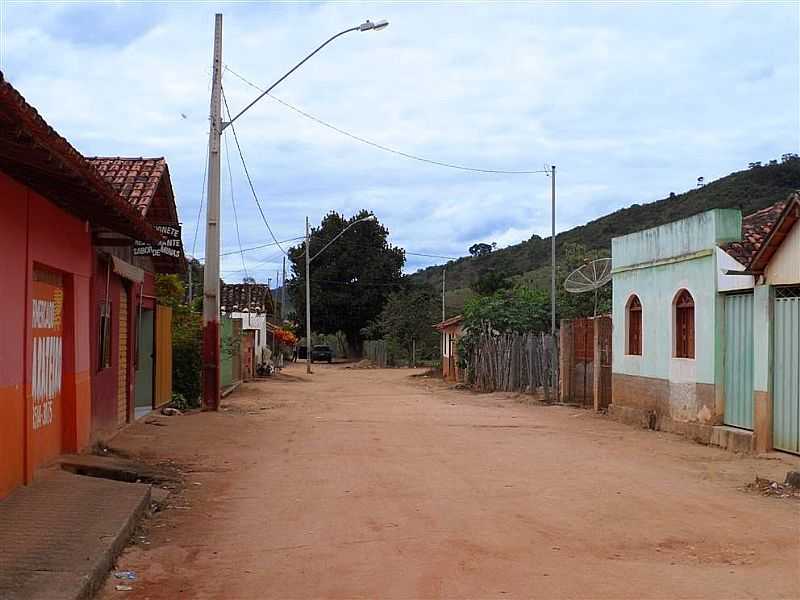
105 381
34 231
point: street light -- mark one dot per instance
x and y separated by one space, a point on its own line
309 258
211 350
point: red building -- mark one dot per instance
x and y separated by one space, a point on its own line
53 204
131 347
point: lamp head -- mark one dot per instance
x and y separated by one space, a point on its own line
370 26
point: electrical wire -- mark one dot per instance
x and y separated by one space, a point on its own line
233 203
202 197
249 179
381 146
431 255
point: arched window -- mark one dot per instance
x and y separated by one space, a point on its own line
684 325
634 326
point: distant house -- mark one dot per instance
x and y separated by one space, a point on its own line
707 328
451 329
253 305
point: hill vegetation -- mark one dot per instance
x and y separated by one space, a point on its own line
749 190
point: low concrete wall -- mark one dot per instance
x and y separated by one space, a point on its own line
683 408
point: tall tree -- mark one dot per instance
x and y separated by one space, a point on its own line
408 317
350 280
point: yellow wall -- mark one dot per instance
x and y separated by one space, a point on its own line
784 267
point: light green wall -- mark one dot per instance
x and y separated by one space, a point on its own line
226 360
657 288
679 238
657 263
762 343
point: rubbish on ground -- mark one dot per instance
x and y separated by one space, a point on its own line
123 588
767 487
170 412
129 575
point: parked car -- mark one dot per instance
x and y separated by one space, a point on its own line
322 354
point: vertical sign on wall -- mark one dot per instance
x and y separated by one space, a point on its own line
47 337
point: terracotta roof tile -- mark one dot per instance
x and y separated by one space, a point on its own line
136 179
756 228
35 154
246 297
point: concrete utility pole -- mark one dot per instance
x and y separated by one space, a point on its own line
553 255
444 277
308 299
211 350
283 291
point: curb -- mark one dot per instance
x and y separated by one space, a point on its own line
100 570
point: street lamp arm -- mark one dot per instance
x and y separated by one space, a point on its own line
293 69
340 234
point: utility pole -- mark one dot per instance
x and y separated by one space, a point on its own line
211 351
308 299
444 277
283 291
553 255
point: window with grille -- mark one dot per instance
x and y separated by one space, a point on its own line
684 325
634 326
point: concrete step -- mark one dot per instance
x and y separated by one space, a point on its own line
59 537
114 467
733 439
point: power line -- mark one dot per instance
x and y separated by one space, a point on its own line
202 197
233 203
294 239
247 173
432 255
377 145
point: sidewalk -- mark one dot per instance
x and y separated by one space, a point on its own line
59 537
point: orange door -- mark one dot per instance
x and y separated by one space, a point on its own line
47 328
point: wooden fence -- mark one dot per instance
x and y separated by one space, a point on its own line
516 362
375 351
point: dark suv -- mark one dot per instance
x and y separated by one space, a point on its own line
322 354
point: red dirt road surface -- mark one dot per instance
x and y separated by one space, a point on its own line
374 484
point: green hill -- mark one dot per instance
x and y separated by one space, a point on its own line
749 190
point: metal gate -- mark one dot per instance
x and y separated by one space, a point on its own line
786 370
739 360
604 332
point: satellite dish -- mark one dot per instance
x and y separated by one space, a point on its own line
589 278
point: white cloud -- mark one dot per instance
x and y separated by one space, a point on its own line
630 102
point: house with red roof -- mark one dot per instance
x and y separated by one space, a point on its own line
451 330
131 333
706 337
55 208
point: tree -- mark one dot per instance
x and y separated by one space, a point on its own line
350 280
522 309
408 316
489 281
481 249
187 340
569 305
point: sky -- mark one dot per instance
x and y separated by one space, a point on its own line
631 101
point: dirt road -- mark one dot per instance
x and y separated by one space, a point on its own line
374 484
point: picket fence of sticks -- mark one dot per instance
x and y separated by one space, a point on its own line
375 351
516 362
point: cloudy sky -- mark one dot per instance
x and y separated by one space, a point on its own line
630 101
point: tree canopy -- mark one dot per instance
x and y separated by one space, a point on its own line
409 314
350 280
